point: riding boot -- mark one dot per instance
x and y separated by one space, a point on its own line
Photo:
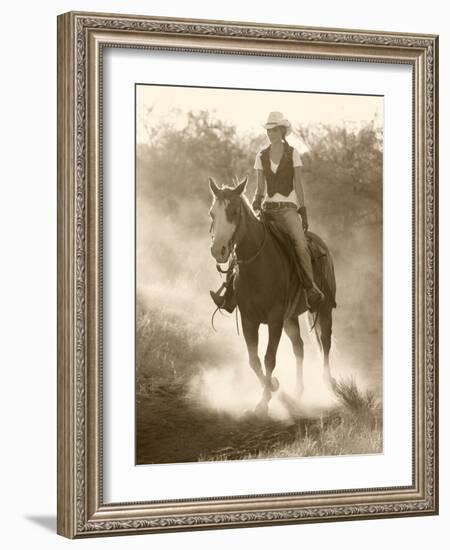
314 296
227 300
217 296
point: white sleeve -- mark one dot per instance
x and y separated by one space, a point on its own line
296 159
258 164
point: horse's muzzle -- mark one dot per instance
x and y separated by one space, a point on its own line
220 253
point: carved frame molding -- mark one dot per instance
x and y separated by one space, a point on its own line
81 39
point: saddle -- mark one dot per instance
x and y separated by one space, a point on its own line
322 263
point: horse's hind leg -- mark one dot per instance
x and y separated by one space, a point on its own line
323 329
250 330
292 329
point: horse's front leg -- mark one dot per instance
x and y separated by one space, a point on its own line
271 384
250 330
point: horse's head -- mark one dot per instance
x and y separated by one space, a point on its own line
225 215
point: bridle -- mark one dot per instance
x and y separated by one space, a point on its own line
232 242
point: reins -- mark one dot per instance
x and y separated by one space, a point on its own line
250 260
234 244
219 309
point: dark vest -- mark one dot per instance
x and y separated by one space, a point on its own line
283 179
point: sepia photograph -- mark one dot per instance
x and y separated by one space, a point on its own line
259 274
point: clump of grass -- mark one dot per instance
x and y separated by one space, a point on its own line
351 396
363 406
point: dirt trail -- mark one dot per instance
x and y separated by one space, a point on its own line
173 426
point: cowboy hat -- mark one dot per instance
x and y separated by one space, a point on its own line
276 118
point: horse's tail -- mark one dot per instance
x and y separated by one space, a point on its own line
321 323
314 326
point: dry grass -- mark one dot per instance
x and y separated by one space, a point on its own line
356 401
171 348
354 427
167 349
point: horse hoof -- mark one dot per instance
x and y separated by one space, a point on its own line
274 384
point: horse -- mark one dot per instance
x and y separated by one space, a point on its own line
267 287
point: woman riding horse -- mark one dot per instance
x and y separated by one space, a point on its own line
266 286
279 194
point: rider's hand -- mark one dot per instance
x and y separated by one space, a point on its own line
304 216
257 201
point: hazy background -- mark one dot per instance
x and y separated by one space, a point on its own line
185 135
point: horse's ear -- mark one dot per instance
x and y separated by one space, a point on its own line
214 189
241 187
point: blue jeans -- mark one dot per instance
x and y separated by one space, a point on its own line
287 219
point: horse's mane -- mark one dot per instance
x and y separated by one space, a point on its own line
247 206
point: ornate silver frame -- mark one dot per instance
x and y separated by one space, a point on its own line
81 37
